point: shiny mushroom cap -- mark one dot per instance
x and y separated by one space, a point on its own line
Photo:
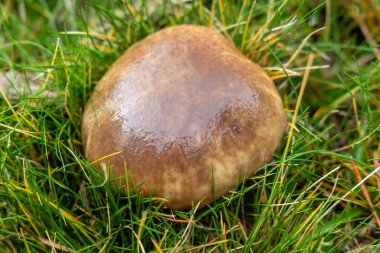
187 114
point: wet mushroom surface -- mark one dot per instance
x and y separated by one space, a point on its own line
187 114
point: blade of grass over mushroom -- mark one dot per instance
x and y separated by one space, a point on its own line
105 157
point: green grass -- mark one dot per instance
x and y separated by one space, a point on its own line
307 199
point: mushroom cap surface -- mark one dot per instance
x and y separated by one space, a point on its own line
186 113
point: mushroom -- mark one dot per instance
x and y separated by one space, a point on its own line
186 114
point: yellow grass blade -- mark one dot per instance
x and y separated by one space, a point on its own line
8 103
105 157
155 243
294 120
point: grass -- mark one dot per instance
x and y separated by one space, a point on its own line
321 192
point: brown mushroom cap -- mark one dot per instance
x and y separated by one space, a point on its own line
190 114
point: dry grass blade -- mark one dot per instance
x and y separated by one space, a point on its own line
295 114
343 198
375 165
53 199
54 245
92 34
24 239
367 33
48 76
174 220
294 56
140 245
141 226
156 245
9 104
365 193
24 132
186 233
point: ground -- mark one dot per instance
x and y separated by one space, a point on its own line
321 192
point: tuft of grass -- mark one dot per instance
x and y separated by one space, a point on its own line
321 192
